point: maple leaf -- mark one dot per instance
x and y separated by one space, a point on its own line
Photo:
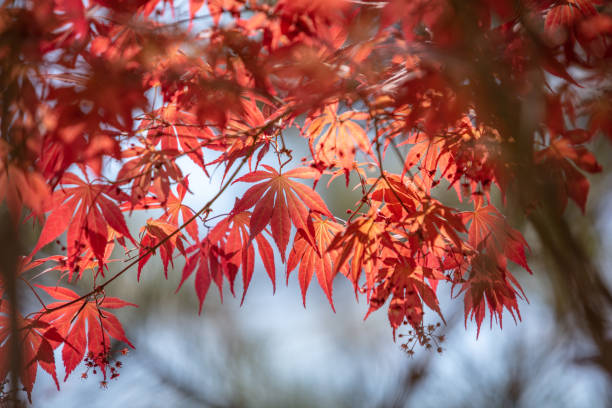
315 259
569 12
150 169
489 229
405 282
424 153
471 159
84 325
557 160
337 135
82 262
279 202
174 208
178 131
19 188
489 282
74 12
226 249
84 210
35 337
361 243
413 214
232 232
206 259
158 232
246 133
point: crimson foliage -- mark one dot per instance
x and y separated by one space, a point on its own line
433 83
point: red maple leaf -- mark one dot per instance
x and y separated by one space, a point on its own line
315 259
225 250
338 136
84 324
162 235
85 210
279 202
35 338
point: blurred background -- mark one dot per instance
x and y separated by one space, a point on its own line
273 352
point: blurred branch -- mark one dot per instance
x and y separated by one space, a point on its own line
9 248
